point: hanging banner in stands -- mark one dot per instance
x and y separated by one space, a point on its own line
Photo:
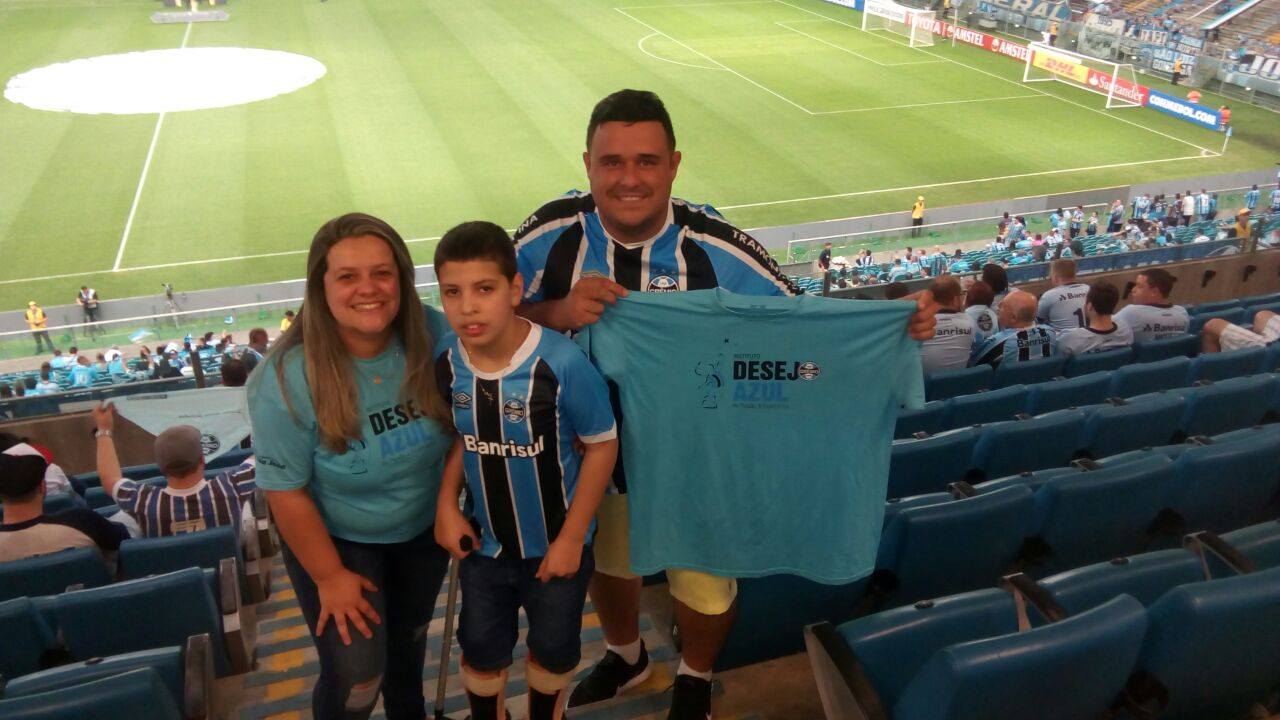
1035 9
220 413
1189 111
1264 66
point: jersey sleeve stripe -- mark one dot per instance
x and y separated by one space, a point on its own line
557 214
708 228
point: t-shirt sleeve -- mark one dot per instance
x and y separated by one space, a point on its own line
1042 308
284 440
586 399
244 480
104 533
127 495
531 260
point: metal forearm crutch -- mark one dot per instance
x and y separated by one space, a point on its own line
446 642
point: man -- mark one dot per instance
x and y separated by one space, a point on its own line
1219 335
87 299
188 501
1141 205
1150 314
917 216
1251 198
898 271
39 324
1177 71
1202 205
287 320
253 353
1188 208
1102 333
824 258
1117 216
578 254
1224 118
1275 199
27 531
954 334
46 385
1077 222
1020 340
1062 305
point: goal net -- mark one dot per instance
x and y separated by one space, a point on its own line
1112 80
911 23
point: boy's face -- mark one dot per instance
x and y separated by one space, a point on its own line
478 299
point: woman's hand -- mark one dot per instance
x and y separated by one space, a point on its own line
342 600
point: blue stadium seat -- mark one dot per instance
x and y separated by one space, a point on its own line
1016 446
1145 577
1260 543
1187 345
1150 422
155 612
1249 433
929 465
1071 669
29 643
205 549
1028 372
1097 362
58 502
1225 365
893 506
773 612
950 383
229 460
1227 405
1149 377
1214 646
1225 487
1098 515
936 550
1232 315
1253 301
1072 392
989 406
138 694
53 573
1216 306
934 417
97 497
1271 361
1030 479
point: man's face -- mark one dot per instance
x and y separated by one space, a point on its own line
631 168
1144 294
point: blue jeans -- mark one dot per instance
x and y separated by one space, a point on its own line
493 591
408 576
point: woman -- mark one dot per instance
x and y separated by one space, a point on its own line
350 434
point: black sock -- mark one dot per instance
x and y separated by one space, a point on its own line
483 707
542 706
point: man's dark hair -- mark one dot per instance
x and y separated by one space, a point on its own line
896 290
1103 296
73 350
477 240
630 107
234 372
979 293
258 335
5 390
29 383
995 276
20 476
1159 279
288 313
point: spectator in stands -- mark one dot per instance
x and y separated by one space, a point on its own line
46 385
27 531
6 391
252 353
1022 339
39 324
977 305
1117 216
824 258
1102 332
1002 228
166 369
1275 199
1017 231
234 372
350 433
1242 227
1202 205
1077 222
1141 206
896 290
28 385
959 264
898 271
286 321
864 260
1250 199
998 280
83 373
1150 315
953 337
1188 209
1061 307
1219 335
55 479
188 501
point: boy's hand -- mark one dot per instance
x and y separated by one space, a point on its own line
451 528
104 416
562 560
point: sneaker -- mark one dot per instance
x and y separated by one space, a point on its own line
691 699
611 676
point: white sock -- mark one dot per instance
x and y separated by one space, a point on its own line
686 670
629 652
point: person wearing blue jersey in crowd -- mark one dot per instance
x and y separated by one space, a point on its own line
1102 332
522 397
959 264
350 434
1116 217
1062 305
577 255
1077 221
1020 340
1251 198
977 305
83 373
1056 220
1275 199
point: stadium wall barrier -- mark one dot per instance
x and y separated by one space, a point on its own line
68 434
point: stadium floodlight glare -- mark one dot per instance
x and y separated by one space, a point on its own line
1115 81
912 23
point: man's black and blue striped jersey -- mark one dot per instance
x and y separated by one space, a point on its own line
518 426
696 250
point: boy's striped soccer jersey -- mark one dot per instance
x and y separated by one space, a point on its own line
518 426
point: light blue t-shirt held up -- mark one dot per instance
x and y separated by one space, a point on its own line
756 430
383 488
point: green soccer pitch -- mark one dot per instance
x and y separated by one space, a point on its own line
437 111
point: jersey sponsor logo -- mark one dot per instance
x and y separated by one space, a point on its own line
209 444
662 283
513 410
506 449
775 370
462 401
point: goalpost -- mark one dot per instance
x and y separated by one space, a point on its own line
1115 81
912 23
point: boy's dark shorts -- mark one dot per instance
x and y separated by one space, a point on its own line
493 590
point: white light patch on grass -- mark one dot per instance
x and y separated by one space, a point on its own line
158 81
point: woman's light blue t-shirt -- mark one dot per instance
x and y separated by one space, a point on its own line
383 488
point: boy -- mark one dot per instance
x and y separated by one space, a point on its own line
522 397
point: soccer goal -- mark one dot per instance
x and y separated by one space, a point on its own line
914 24
1112 80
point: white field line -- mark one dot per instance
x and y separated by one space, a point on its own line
931 104
641 47
1207 152
677 6
783 98
855 54
142 180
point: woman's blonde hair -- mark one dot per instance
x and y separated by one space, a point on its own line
329 367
